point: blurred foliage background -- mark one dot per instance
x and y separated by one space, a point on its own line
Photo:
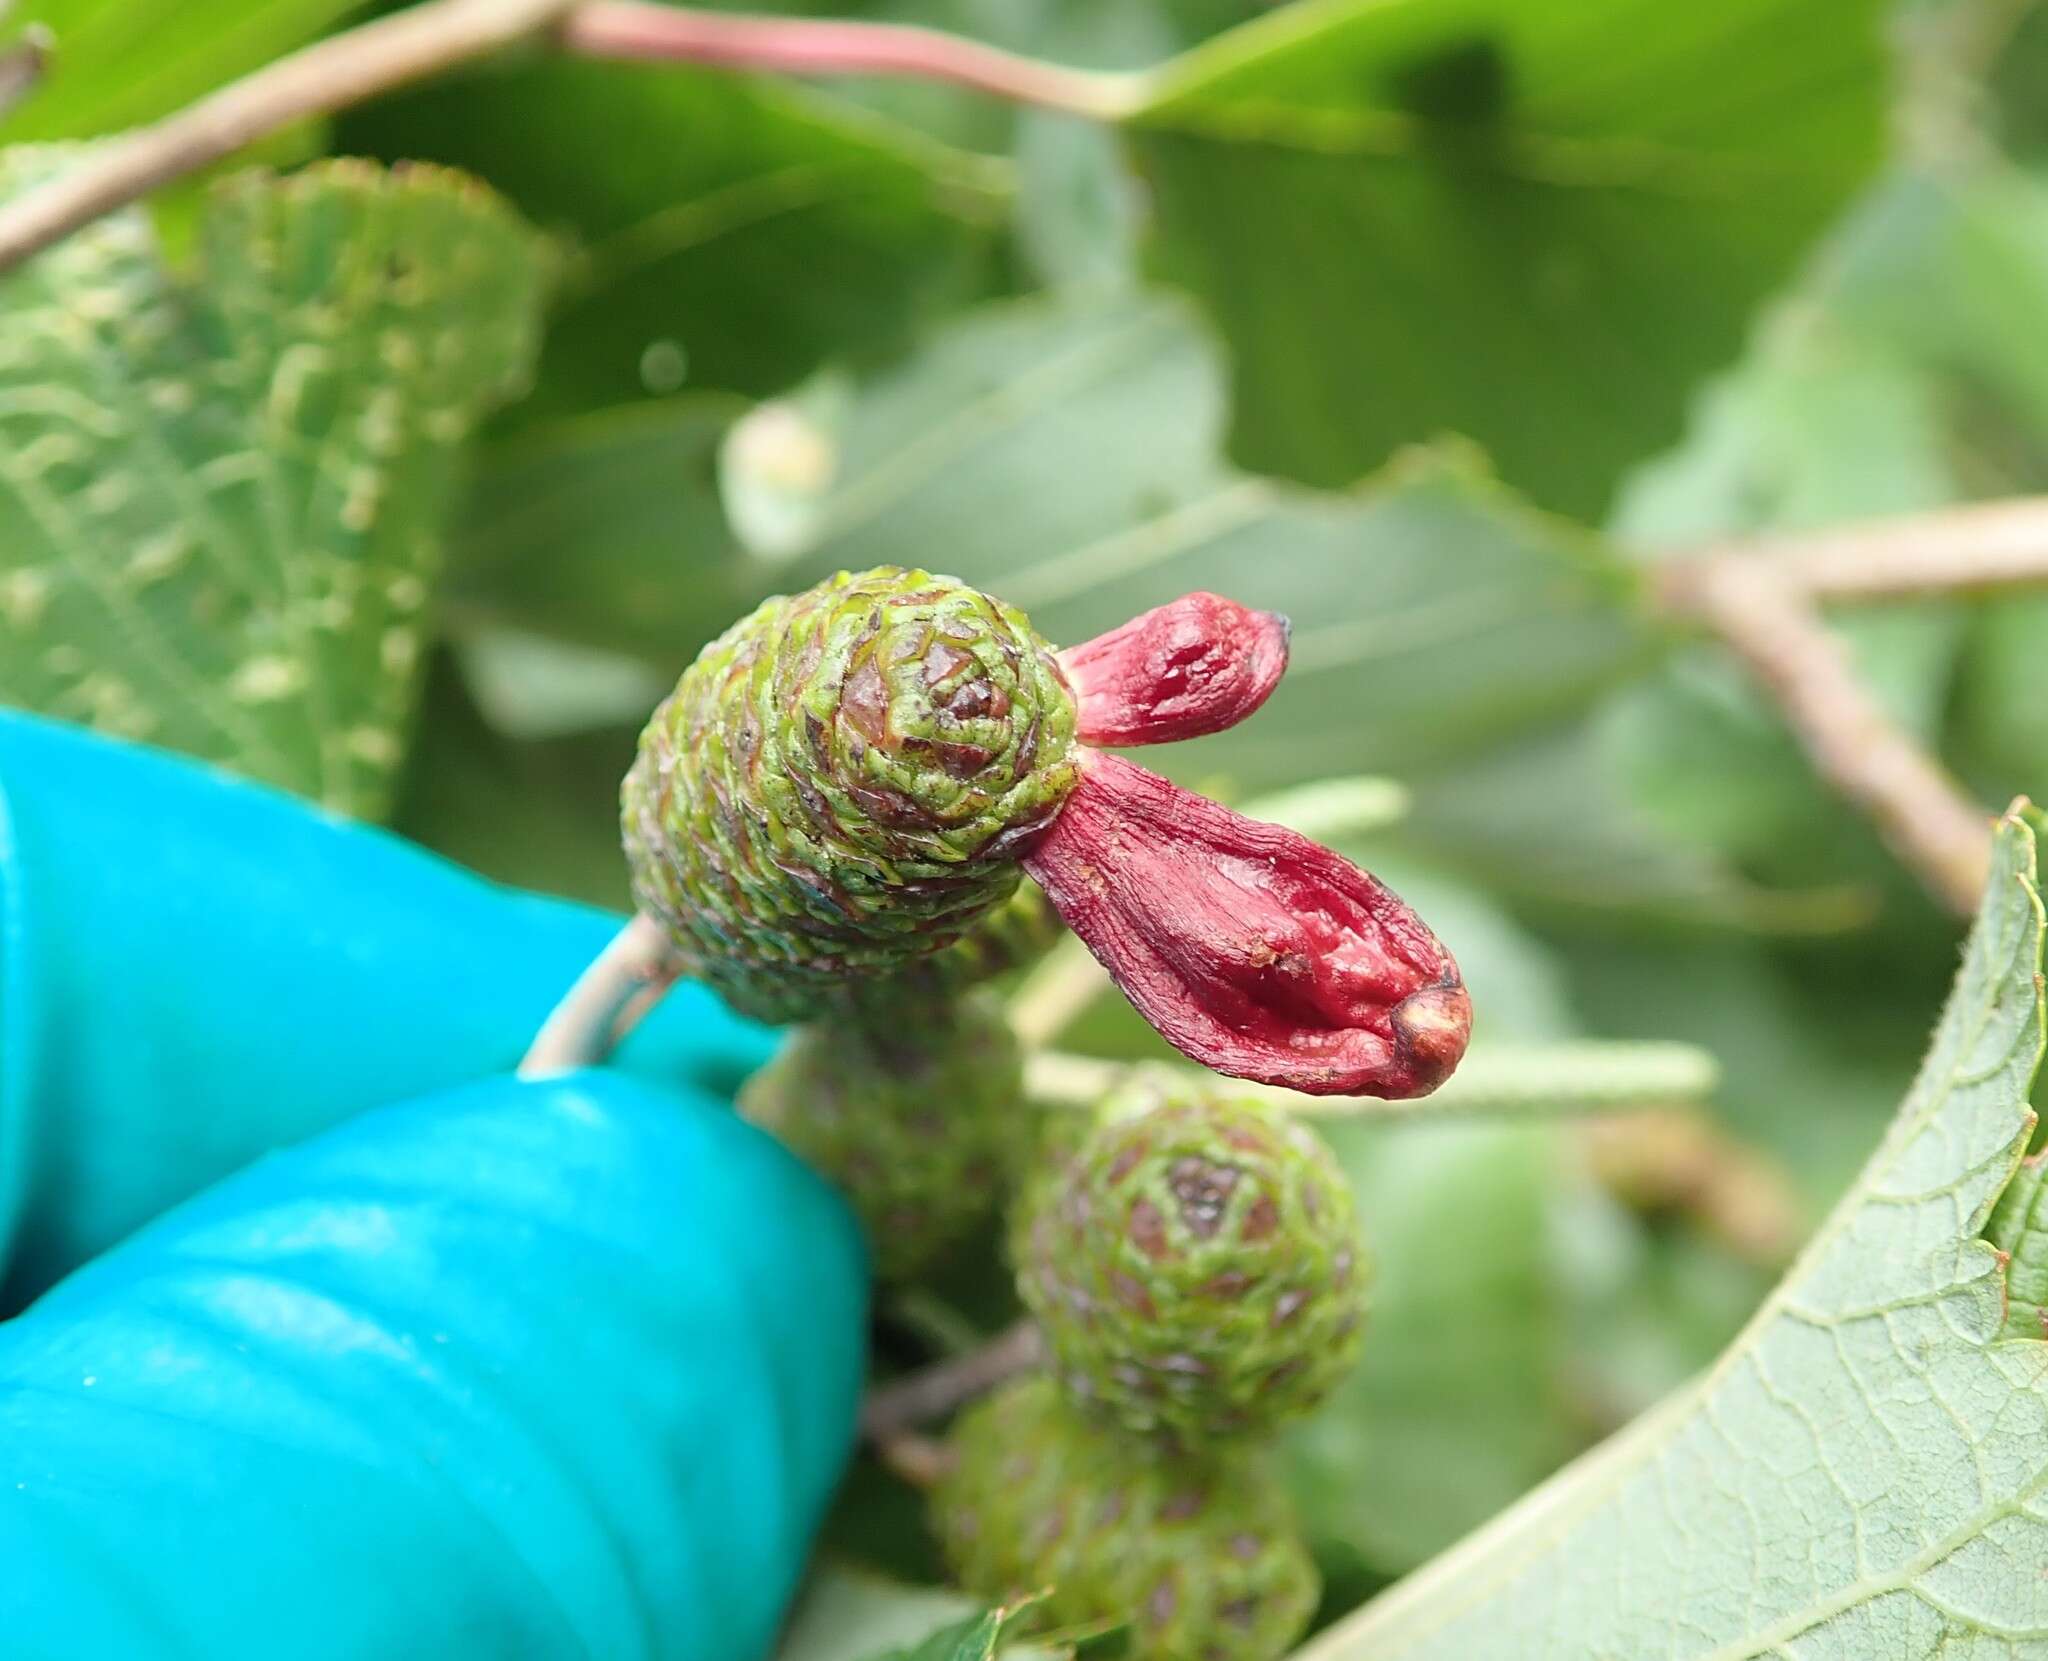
1432 323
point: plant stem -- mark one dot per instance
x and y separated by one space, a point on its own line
1507 1080
1056 994
623 982
918 1460
636 29
1679 1159
937 1391
1759 607
327 76
1956 550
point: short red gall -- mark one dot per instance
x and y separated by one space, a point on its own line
1195 666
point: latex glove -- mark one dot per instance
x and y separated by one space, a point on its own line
558 1369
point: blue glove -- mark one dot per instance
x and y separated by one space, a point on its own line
509 1369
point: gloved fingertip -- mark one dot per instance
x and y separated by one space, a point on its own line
572 1364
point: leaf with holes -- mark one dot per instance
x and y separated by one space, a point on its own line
1865 1471
1537 225
220 499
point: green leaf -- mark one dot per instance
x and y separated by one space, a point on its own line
2019 1228
122 62
728 233
1829 1024
1951 268
220 500
2002 698
1455 1408
1537 225
1079 212
1816 425
537 812
2018 75
1064 455
849 1615
972 1639
606 530
530 686
1708 760
846 1616
1903 378
1550 819
1860 1474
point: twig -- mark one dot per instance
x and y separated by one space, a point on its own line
623 982
1520 1080
937 1391
327 76
1956 550
828 46
918 1460
1056 994
1680 1160
407 46
1770 622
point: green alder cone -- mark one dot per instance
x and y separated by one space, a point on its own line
840 785
1198 1551
1194 1261
1018 932
914 1120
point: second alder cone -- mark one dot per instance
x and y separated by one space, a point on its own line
1194 1260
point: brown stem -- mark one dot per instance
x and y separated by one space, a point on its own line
1763 614
1954 550
932 1394
327 76
918 1460
1681 1161
829 46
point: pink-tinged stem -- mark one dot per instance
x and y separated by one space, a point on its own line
1253 950
832 46
1195 666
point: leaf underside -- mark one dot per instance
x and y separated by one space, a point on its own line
220 498
1865 1471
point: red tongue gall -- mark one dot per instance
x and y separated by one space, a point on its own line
1195 666
1254 951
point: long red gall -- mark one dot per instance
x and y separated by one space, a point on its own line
1254 951
1194 666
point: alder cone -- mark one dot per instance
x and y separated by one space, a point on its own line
842 784
915 1121
1194 1261
1198 1550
